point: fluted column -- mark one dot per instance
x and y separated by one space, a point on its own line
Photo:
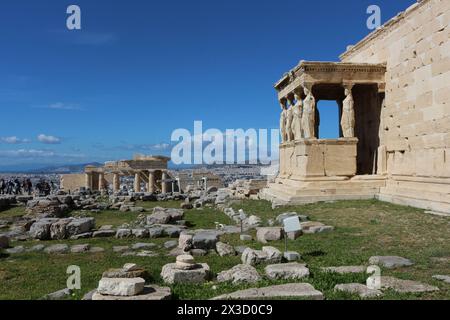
164 185
137 182
88 180
116 182
151 182
101 180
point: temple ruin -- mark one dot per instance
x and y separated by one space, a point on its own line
393 95
148 170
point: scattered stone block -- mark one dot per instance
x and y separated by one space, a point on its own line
36 248
58 295
80 226
142 245
198 252
345 269
175 252
96 250
285 215
149 293
80 248
57 249
105 233
266 255
360 289
287 271
86 235
273 254
172 274
58 229
242 273
171 244
390 262
205 240
123 233
120 249
406 286
246 237
15 250
291 256
140 233
266 234
40 230
240 249
310 227
155 232
121 286
146 253
224 249
446 279
291 290
185 241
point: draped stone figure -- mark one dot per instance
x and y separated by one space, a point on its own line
289 121
297 119
283 117
348 115
309 114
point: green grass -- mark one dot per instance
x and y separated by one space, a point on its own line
13 212
363 229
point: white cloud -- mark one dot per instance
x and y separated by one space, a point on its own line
160 146
48 139
60 106
26 153
63 106
14 140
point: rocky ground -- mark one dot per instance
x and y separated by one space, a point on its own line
190 246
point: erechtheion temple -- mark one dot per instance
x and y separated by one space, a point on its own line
148 170
393 94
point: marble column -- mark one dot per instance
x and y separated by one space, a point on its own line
339 103
116 182
101 179
88 181
151 182
137 182
164 185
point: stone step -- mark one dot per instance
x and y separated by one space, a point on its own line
290 290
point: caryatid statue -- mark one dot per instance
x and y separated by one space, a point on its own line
297 119
348 114
309 115
289 120
283 117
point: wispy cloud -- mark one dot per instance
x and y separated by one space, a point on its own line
14 140
60 106
63 106
158 147
48 139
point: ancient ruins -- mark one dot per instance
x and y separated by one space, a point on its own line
151 170
393 93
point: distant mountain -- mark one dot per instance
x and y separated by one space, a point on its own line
42 169
64 169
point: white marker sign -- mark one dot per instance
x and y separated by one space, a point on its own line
292 224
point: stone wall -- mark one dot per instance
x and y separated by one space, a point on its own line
415 119
72 182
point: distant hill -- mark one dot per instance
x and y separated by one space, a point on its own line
64 169
45 169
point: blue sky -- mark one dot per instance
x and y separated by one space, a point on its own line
140 69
